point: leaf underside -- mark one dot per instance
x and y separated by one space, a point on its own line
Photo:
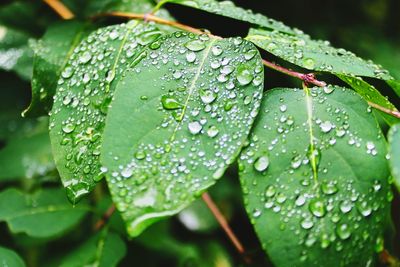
178 119
314 178
84 92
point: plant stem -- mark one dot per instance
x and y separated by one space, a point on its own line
150 17
104 219
307 78
224 224
60 9
394 113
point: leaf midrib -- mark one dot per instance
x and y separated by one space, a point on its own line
192 86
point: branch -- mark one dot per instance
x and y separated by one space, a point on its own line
104 219
307 78
60 9
224 224
394 113
150 17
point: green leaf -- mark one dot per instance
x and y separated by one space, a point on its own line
228 9
26 157
51 54
395 84
15 54
301 50
105 249
178 119
46 213
394 152
10 258
370 93
315 179
84 92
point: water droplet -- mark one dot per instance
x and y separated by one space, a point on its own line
343 231
307 223
346 206
317 208
212 131
329 188
207 96
326 126
85 58
216 50
68 128
262 163
195 127
244 75
250 54
270 191
309 63
170 103
67 72
300 200
190 57
195 45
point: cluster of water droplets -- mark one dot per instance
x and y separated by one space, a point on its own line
311 54
205 94
344 203
83 95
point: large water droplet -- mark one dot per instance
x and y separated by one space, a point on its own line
195 45
262 163
195 127
244 75
170 103
317 208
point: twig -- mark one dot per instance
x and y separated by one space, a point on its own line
104 219
386 258
307 78
151 17
394 113
60 9
224 224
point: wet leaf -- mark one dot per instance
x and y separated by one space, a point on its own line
317 55
46 213
394 152
395 84
51 54
15 54
178 119
10 258
105 249
26 157
370 93
228 9
315 179
84 92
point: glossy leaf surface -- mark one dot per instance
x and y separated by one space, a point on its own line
311 54
84 92
315 179
51 54
178 119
